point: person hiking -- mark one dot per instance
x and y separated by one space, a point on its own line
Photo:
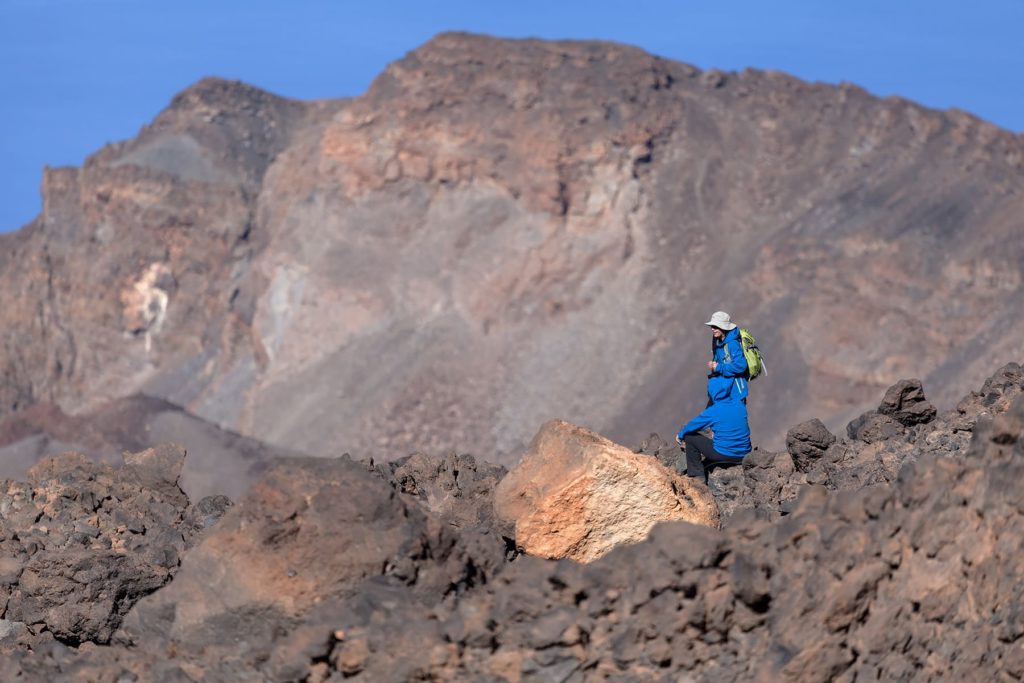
726 412
727 355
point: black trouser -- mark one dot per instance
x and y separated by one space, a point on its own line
700 450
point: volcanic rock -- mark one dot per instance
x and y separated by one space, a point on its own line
577 495
10 631
305 537
879 447
456 488
872 426
905 403
81 542
995 396
807 442
668 454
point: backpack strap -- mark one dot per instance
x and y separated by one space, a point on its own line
725 345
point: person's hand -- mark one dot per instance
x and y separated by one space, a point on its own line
712 365
679 440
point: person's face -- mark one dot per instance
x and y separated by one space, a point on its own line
717 333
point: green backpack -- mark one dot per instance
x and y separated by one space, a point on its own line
755 363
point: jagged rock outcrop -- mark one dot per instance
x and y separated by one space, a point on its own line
877 448
807 442
668 454
577 495
495 232
159 231
459 489
872 427
303 540
82 542
905 403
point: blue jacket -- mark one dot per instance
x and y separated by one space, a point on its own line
732 364
726 416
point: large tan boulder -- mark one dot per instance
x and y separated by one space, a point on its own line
576 494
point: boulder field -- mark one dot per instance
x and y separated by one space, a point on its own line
888 553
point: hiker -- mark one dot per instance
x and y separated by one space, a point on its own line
726 412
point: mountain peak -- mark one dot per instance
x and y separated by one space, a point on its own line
215 92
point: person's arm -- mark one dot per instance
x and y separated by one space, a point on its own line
696 424
737 367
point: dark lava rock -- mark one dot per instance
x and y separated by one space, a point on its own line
905 402
455 487
878 448
82 542
872 427
305 537
995 396
807 442
760 487
668 454
205 514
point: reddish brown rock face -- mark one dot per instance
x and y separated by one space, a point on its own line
577 495
499 231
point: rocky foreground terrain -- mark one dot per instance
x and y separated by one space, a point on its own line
889 553
502 232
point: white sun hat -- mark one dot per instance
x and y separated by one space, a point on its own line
722 321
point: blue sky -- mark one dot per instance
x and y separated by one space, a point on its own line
77 74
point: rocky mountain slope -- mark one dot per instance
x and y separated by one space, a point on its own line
501 232
887 554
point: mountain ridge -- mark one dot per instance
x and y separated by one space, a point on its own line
499 232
